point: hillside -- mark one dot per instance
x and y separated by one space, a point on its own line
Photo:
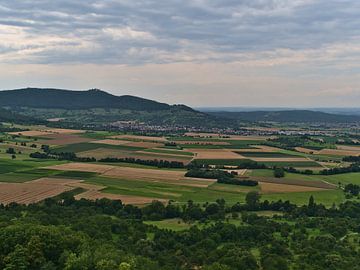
12 117
294 116
97 107
66 99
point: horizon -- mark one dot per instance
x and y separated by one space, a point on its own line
200 53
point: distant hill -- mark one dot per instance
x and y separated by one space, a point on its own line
97 107
293 116
66 99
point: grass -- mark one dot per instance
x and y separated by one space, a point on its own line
174 224
345 178
327 197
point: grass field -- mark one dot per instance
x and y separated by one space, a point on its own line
345 178
172 152
82 147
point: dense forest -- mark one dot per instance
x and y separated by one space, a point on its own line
62 233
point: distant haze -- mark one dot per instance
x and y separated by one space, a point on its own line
275 53
344 111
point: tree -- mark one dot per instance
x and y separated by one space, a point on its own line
311 203
16 260
11 151
279 172
252 198
124 266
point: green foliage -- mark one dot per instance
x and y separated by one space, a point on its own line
279 172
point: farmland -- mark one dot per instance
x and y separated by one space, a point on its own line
128 173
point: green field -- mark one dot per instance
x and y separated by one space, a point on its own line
265 154
345 178
172 152
82 147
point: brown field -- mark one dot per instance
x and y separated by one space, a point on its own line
111 142
140 138
29 192
63 139
93 192
338 152
47 131
144 144
355 149
214 154
294 182
115 153
282 188
341 151
150 175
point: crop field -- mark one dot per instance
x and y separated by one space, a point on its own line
254 154
140 138
215 154
81 147
100 153
171 152
283 188
140 184
62 139
30 192
46 132
149 175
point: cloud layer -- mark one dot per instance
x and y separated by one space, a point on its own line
162 31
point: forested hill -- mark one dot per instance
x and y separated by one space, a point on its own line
294 116
12 117
66 99
99 107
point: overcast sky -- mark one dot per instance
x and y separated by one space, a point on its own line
289 53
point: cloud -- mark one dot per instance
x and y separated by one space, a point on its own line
138 32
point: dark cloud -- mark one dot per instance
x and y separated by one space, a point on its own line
137 32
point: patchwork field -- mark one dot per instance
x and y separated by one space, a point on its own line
149 175
140 184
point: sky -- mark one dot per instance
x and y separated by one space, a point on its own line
283 53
